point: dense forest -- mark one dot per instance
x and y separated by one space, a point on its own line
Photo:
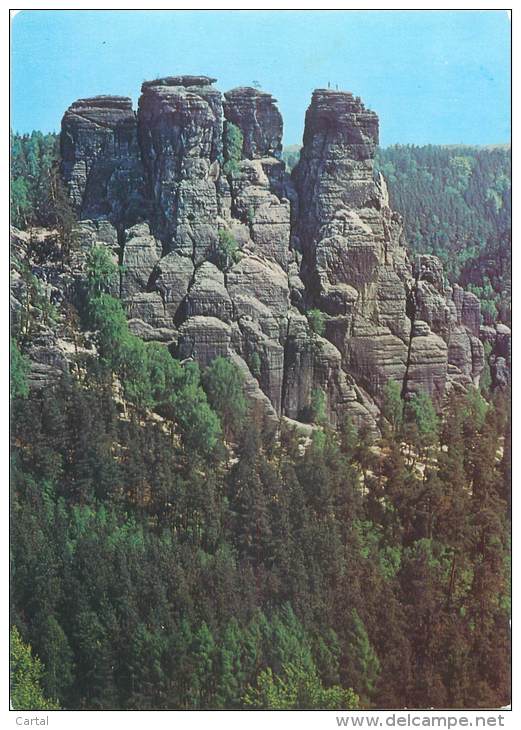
34 179
169 553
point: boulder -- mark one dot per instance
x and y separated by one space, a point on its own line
427 367
257 278
149 308
374 356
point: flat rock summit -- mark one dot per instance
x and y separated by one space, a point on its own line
224 253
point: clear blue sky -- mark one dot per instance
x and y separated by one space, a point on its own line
440 77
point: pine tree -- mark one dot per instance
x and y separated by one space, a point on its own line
26 677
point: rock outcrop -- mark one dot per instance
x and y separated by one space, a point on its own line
180 135
101 162
226 262
257 116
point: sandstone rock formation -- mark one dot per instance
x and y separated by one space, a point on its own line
101 159
257 116
227 262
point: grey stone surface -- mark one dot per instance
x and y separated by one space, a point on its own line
172 277
141 252
203 339
148 307
256 115
179 129
101 163
208 295
427 367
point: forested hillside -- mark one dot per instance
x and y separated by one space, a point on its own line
167 553
157 566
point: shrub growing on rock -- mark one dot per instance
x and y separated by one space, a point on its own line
233 141
317 321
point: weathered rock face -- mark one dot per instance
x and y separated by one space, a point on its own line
204 339
391 319
266 216
149 308
226 263
208 296
333 180
141 252
257 116
349 236
171 278
375 356
498 339
101 163
180 135
427 366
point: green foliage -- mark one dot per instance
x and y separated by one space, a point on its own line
255 364
318 406
133 370
21 205
199 424
228 252
106 315
392 407
38 195
485 381
102 271
54 645
475 407
317 321
297 688
232 147
26 677
224 386
245 562
166 374
421 415
33 169
151 378
19 369
36 308
364 665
